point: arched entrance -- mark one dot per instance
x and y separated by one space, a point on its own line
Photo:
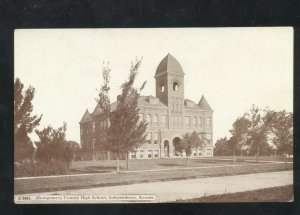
176 144
167 148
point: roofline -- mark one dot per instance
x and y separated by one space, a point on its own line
168 72
151 107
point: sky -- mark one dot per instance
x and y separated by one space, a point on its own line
232 67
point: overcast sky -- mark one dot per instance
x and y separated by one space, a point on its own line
233 67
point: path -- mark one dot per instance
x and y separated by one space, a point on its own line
172 190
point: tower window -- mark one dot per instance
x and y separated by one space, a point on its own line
162 88
175 86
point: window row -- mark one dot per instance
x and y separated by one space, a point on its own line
193 122
149 138
189 122
145 154
154 120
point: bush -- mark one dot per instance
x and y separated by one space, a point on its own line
48 152
30 168
23 151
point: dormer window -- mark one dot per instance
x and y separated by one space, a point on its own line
175 86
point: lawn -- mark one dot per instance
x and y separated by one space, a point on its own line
102 166
176 171
275 194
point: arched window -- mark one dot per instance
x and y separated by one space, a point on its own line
163 121
155 120
200 121
141 117
208 122
187 121
175 86
194 122
148 138
155 137
162 88
148 119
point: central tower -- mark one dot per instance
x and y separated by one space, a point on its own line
169 78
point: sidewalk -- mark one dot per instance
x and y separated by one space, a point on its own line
175 190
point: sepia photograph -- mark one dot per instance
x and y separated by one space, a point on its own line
153 115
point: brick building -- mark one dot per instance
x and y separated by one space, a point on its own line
169 116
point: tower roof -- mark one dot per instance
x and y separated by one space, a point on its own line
169 64
86 117
203 104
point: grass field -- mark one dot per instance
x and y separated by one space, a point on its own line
176 171
102 166
275 194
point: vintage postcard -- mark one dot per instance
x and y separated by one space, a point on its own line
153 115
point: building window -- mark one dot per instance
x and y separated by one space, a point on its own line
101 124
199 153
194 122
162 88
163 121
148 138
187 121
149 153
93 143
148 119
142 154
155 138
133 154
155 120
175 86
141 117
94 126
200 121
208 121
156 153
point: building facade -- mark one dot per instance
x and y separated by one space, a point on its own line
169 116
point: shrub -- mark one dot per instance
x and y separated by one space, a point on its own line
30 168
47 153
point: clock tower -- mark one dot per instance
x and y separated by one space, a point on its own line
169 78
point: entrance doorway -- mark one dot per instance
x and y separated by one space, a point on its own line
176 143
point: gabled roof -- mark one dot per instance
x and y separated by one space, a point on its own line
86 117
169 64
98 110
203 104
144 101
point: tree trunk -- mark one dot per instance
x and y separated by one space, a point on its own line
257 154
187 160
284 157
233 158
118 167
127 161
